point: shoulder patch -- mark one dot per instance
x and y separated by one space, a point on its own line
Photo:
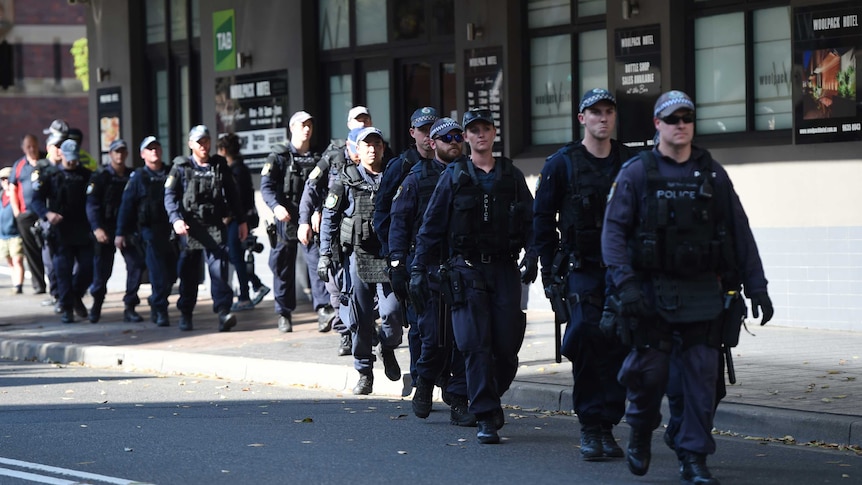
611 192
397 193
538 182
169 182
90 188
34 176
266 168
314 174
331 201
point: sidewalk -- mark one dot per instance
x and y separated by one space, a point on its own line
796 382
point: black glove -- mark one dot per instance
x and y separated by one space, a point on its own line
323 265
547 279
418 290
399 278
632 302
762 301
529 269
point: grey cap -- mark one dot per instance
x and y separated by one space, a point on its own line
671 101
117 144
199 132
70 150
366 132
443 126
149 141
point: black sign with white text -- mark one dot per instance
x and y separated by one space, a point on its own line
637 83
484 69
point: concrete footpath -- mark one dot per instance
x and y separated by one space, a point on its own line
792 383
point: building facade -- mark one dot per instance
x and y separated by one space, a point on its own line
775 82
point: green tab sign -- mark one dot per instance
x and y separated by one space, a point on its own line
225 40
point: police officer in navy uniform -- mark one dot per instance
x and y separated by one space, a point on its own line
60 198
332 162
104 196
393 175
569 209
200 198
142 212
484 208
347 217
438 357
678 244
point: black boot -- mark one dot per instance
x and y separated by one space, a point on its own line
226 321
591 442
487 432
459 414
285 324
639 451
186 322
67 316
96 310
365 385
610 448
390 364
80 308
346 345
422 398
162 319
694 470
130 315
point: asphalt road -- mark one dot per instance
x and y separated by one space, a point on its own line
70 424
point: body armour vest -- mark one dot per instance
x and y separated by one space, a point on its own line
683 231
357 230
427 174
484 224
204 205
296 171
583 210
111 197
70 200
151 209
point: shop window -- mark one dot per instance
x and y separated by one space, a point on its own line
551 89
591 7
155 14
371 22
377 100
719 44
335 25
592 63
773 104
179 19
546 13
340 102
409 20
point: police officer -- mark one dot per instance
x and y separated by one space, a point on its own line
332 162
347 217
281 184
569 209
142 212
437 357
104 195
393 175
484 208
677 244
60 198
200 193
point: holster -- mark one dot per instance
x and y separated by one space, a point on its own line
271 234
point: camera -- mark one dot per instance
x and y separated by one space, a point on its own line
251 244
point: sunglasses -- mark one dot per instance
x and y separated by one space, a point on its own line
674 119
448 137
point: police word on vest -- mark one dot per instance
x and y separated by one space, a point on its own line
485 226
151 210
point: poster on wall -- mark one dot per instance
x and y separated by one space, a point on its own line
254 106
110 113
484 69
827 42
637 83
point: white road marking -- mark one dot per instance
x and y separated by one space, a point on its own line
59 471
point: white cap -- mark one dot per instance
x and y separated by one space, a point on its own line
356 111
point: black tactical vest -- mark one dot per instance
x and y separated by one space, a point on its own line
202 194
427 174
151 209
486 225
357 230
683 231
583 210
111 197
296 170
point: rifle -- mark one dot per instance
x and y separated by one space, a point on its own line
556 294
734 316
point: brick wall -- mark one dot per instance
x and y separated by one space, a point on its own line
32 115
53 12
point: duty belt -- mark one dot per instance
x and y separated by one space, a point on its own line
488 259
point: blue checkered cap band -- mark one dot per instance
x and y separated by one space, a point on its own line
423 116
671 101
443 126
593 96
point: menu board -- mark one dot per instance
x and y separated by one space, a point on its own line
484 75
637 78
110 111
827 41
254 106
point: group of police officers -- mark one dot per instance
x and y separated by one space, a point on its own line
644 257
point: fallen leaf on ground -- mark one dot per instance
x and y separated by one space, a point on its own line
256 445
